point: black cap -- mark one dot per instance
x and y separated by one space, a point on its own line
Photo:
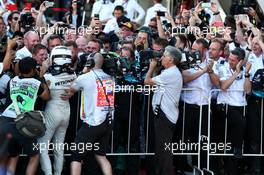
26 65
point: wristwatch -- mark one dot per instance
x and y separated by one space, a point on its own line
247 75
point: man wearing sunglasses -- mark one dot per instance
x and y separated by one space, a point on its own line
12 22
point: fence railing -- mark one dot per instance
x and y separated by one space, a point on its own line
146 134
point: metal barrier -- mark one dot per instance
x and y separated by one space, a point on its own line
209 154
207 172
197 171
198 153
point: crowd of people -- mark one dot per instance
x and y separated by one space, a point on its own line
195 64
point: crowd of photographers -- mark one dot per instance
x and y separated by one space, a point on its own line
196 50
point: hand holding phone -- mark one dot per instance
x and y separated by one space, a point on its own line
206 5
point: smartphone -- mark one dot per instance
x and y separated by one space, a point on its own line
49 4
160 13
206 5
242 17
96 16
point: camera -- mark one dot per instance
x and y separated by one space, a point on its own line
190 60
118 67
27 21
167 26
149 54
110 65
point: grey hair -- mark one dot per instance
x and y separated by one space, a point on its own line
29 34
175 53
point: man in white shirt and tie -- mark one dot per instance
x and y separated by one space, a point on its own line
151 12
131 7
104 8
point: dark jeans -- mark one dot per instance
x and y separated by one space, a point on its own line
164 130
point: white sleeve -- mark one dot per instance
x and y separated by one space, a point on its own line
223 74
117 2
162 79
1 67
95 9
140 10
77 83
107 27
147 19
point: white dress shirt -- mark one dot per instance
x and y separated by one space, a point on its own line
151 13
199 89
111 25
105 11
168 94
131 7
22 53
234 95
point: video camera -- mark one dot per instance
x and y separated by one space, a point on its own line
149 54
167 26
190 60
27 21
118 67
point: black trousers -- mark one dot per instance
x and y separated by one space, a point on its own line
121 126
218 118
253 133
236 124
191 131
164 130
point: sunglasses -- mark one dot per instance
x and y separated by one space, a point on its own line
15 18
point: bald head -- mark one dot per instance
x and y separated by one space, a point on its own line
98 60
31 38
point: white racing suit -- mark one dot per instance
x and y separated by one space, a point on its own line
57 115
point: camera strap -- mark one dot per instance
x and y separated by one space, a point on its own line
106 96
